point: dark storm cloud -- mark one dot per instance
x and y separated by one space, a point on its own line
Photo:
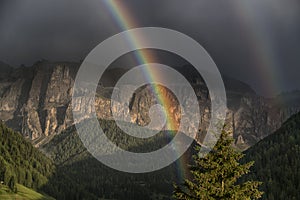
69 29
53 29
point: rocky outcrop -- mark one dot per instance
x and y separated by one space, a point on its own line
34 100
37 101
258 117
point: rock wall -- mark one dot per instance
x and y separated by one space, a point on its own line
37 102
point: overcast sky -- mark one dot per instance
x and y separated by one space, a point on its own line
256 41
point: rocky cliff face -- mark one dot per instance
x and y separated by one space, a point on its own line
37 101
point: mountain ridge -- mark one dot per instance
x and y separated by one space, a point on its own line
36 101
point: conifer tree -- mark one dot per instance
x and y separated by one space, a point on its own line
12 184
216 175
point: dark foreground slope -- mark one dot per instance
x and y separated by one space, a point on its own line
277 161
20 162
80 176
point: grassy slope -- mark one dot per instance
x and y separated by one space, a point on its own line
23 193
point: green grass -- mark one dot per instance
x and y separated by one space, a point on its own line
22 194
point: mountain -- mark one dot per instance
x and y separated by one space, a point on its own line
277 161
20 162
36 101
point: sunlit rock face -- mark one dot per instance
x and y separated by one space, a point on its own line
37 102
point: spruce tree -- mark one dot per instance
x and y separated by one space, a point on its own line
12 184
216 175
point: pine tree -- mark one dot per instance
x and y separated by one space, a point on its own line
216 175
12 184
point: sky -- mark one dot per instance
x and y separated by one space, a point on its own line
255 41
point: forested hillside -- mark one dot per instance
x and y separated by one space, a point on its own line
80 176
277 161
20 162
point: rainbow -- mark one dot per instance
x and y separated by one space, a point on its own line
267 63
125 21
